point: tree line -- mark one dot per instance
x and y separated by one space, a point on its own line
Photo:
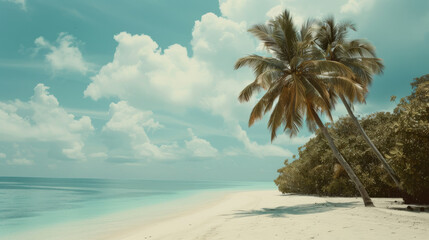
403 137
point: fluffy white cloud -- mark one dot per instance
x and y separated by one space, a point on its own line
64 55
267 150
250 11
74 151
142 72
219 42
21 3
132 123
279 9
42 120
150 78
356 6
200 147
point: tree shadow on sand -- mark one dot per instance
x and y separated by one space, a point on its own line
296 210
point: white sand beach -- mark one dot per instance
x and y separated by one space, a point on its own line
257 215
271 215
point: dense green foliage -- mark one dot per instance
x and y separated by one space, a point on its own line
402 136
411 153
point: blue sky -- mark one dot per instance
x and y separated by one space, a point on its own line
145 89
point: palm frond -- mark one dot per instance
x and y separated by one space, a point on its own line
344 86
266 101
307 32
325 66
285 34
278 113
259 63
248 91
363 47
264 34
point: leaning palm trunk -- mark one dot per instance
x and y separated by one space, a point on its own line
359 186
373 147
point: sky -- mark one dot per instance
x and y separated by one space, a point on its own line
146 88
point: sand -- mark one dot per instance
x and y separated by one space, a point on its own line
271 215
254 215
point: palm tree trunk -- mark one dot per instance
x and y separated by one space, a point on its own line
359 186
373 147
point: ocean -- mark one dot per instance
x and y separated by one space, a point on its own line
28 203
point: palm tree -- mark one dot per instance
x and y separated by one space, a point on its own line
359 55
301 83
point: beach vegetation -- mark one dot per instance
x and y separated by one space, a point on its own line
402 135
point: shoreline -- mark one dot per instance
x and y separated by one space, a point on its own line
103 226
249 214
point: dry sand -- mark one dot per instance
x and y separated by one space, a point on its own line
251 215
270 215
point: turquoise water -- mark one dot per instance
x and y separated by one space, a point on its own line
29 203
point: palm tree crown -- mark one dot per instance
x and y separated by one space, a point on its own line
359 55
296 75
